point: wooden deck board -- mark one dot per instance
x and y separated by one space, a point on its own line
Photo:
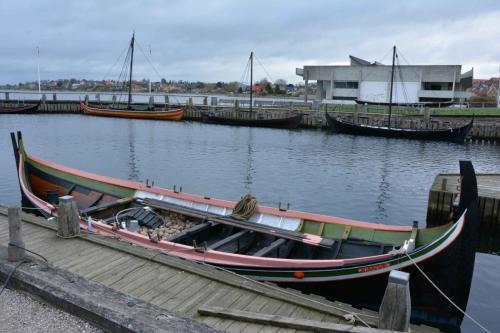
182 285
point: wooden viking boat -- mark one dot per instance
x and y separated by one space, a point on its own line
251 117
11 108
457 134
334 257
173 114
129 112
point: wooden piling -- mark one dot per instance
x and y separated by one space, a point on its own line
15 250
395 309
68 225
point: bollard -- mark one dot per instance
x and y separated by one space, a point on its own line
395 309
15 250
68 225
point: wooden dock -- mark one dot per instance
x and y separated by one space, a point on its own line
218 298
444 191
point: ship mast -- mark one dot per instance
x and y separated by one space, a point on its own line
130 77
251 81
392 84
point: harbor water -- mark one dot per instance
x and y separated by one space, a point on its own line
373 179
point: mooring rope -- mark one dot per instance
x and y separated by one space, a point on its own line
444 295
245 208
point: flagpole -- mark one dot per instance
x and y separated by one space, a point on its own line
38 69
150 78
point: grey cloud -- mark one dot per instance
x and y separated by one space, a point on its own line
210 40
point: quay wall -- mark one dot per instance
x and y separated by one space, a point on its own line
485 129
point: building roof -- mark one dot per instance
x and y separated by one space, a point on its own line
355 61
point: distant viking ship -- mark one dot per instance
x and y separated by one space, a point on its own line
457 134
129 111
252 118
11 108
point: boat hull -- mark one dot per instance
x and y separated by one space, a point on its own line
29 108
174 114
291 122
457 134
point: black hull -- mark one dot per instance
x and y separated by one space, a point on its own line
288 122
29 108
426 104
456 134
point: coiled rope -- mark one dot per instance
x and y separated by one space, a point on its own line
245 208
447 298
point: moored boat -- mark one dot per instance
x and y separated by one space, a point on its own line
251 117
128 111
455 134
14 108
335 257
173 114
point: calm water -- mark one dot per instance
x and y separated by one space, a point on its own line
373 179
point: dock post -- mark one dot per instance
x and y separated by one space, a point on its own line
15 251
213 100
7 95
236 104
54 97
205 100
190 101
68 225
427 116
166 99
98 98
86 99
113 99
151 102
395 309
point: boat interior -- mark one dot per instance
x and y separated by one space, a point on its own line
162 221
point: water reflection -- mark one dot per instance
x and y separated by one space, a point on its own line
249 170
383 188
132 163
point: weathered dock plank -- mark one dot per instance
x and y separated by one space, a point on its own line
172 283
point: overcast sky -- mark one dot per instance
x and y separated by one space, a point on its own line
210 40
